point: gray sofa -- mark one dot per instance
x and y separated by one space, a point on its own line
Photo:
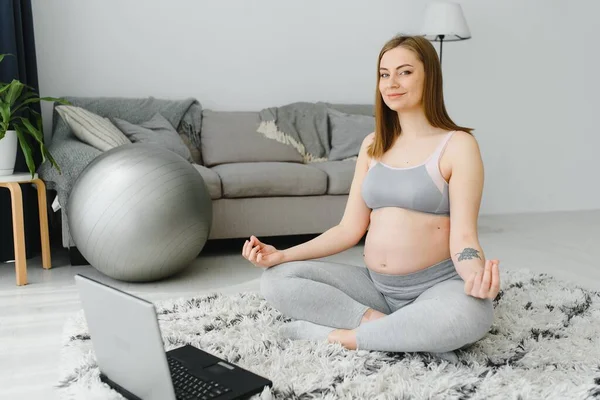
260 186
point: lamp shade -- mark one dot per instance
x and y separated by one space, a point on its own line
445 18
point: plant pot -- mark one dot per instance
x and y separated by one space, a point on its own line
8 153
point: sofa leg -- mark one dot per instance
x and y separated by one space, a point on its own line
76 258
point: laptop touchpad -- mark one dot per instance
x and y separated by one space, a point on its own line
219 368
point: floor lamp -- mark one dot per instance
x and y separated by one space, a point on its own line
445 22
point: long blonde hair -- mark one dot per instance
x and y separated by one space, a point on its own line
387 125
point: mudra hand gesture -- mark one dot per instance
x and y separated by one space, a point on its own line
261 254
485 283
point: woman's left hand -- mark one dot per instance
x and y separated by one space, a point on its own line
485 283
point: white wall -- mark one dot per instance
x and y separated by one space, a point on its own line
527 80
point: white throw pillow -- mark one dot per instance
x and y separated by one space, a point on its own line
91 128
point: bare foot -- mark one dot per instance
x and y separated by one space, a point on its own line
371 315
345 337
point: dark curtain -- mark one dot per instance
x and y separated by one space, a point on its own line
16 37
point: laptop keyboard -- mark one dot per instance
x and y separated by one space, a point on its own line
190 387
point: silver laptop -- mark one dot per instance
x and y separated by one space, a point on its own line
130 353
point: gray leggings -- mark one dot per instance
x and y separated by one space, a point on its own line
427 311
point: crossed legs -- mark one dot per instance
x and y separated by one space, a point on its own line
341 303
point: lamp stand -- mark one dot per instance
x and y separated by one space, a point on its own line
441 43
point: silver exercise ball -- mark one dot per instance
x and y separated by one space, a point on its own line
139 213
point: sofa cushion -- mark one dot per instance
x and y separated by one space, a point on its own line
212 180
347 133
263 179
157 131
339 175
231 137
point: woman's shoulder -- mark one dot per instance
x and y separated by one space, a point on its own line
368 139
366 143
462 144
461 140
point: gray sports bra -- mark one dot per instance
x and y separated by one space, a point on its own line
420 188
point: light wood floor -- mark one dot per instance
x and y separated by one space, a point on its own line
566 245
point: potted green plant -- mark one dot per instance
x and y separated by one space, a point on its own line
16 125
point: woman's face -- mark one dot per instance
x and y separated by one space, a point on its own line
401 79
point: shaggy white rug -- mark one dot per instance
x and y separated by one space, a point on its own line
544 345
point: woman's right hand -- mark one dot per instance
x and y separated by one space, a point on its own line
261 254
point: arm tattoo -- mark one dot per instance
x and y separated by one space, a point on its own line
468 253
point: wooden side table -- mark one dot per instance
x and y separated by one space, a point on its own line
11 182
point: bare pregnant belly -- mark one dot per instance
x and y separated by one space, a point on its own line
402 241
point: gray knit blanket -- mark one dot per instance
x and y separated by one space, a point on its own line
72 155
302 125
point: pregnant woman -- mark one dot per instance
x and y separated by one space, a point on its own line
416 192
